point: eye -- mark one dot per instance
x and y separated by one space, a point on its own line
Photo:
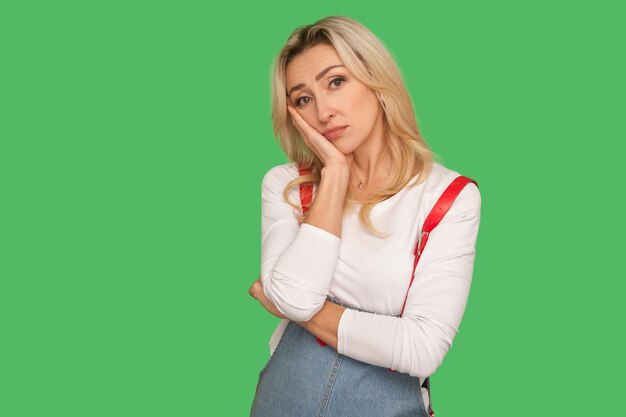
341 80
298 102
337 82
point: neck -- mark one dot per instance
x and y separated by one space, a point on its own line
371 168
370 160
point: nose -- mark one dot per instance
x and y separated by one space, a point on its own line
325 108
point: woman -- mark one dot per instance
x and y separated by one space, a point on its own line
363 328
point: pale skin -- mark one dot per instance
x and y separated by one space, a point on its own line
323 94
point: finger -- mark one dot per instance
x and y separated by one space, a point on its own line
296 123
301 123
295 119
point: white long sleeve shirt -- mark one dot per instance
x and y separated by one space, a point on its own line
302 264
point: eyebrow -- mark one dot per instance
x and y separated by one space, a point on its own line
319 76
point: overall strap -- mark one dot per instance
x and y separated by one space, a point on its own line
437 213
435 216
306 190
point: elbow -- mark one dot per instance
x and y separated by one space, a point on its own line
428 353
426 364
295 312
300 315
296 301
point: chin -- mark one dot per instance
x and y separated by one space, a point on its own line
345 147
345 150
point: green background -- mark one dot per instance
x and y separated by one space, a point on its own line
134 138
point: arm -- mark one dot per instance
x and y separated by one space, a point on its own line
297 261
325 323
417 342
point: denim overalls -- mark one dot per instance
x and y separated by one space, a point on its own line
304 379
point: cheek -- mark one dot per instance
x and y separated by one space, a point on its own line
367 106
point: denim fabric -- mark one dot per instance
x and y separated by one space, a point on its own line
304 379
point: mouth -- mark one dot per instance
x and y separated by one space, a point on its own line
335 132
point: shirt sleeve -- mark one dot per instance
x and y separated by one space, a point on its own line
297 260
417 342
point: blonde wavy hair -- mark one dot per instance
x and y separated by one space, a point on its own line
369 61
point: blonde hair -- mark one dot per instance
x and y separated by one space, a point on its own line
369 61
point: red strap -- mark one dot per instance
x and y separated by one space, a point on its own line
437 213
306 190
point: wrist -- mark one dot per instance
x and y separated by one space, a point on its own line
336 174
342 170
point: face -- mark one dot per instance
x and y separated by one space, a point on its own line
326 95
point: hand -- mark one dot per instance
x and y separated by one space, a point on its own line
317 143
256 291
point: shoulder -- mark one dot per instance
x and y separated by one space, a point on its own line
278 176
441 177
282 173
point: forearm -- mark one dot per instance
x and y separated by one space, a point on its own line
408 345
298 260
299 281
326 211
325 323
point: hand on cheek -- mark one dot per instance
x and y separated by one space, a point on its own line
326 151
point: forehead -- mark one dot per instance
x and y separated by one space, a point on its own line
309 63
